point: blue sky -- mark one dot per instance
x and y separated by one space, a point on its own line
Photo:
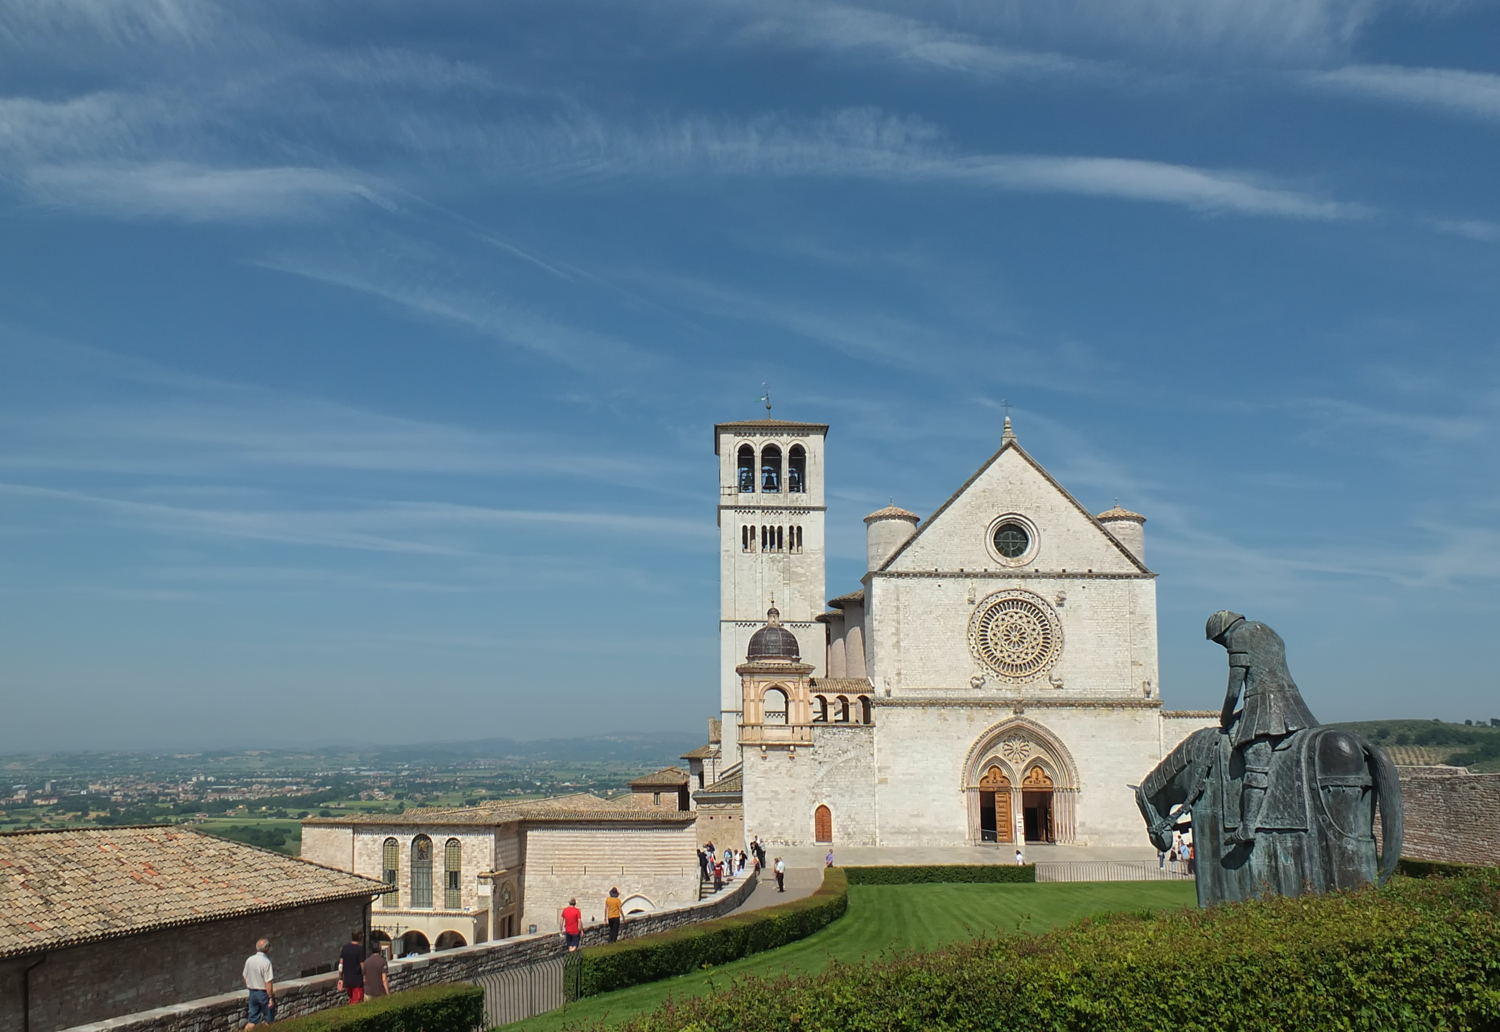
358 362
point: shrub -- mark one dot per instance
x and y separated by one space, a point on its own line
666 954
1415 955
437 1008
933 873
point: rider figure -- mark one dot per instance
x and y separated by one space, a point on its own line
1273 706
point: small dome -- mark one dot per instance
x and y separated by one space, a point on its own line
1118 513
773 641
891 512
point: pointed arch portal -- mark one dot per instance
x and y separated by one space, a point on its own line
1022 784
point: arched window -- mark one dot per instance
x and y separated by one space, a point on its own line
770 469
843 710
453 867
421 873
799 539
763 538
864 710
780 545
821 701
796 470
390 862
774 702
745 533
823 825
746 468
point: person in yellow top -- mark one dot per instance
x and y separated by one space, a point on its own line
612 910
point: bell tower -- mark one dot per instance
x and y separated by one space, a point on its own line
771 514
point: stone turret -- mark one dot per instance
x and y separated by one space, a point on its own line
1128 528
886 530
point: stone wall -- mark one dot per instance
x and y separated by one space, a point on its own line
585 861
95 980
226 1013
1450 815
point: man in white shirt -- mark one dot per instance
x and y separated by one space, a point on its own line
258 977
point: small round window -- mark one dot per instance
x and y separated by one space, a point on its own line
1011 540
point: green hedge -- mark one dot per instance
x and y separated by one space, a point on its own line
437 1008
933 873
666 954
1419 955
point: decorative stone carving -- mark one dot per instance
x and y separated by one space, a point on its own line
1016 634
1015 750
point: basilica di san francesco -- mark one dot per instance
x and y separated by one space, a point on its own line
992 679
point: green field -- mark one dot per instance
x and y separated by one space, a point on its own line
284 836
886 918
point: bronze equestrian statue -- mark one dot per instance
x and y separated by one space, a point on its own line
1278 804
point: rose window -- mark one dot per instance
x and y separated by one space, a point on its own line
1015 634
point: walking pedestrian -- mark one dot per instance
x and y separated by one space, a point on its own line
572 925
1192 859
718 875
613 908
258 976
1161 859
1020 860
780 875
351 967
703 863
828 860
377 982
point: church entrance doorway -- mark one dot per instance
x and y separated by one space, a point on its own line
994 806
1036 805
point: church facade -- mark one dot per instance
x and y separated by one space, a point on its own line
993 679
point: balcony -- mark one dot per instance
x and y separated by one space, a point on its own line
776 734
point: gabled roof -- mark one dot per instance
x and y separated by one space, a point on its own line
857 596
747 427
1009 445
703 752
60 888
667 777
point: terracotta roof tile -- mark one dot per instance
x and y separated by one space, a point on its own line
64 887
581 807
666 777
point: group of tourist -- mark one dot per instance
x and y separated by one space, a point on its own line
1183 856
362 975
719 867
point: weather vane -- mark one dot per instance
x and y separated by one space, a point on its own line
766 398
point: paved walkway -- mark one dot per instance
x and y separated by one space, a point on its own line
804 864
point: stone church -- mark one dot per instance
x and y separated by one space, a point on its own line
993 680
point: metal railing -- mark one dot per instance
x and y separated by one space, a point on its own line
1110 870
522 992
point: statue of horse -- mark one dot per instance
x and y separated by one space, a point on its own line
1316 827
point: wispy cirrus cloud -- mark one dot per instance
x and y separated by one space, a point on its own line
1457 92
871 145
418 528
424 292
194 193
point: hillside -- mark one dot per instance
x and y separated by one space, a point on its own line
1434 742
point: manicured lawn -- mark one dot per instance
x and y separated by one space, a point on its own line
886 918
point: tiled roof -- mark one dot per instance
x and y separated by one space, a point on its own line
703 752
666 777
1118 513
732 783
842 685
858 595
750 426
59 888
892 512
581 807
